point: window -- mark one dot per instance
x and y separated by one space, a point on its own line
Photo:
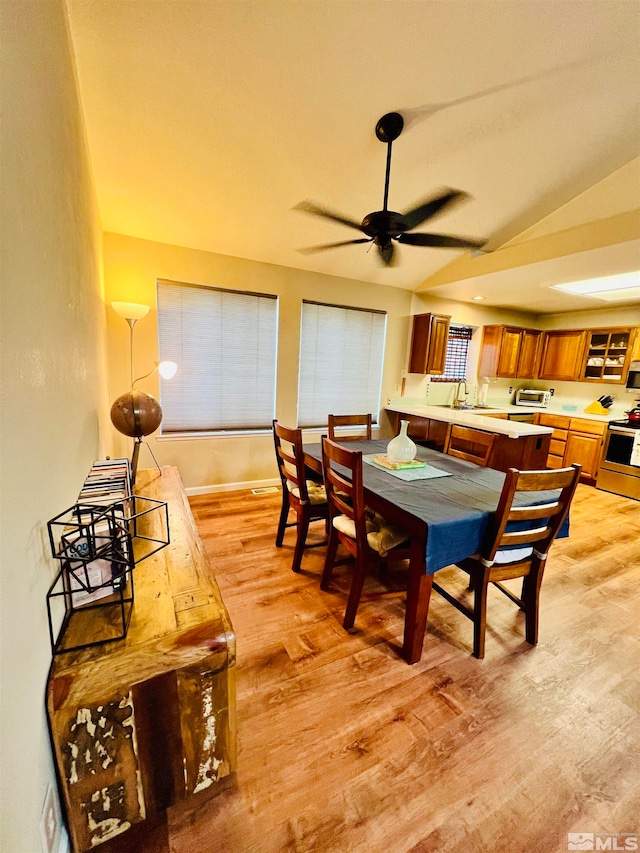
341 351
455 367
224 343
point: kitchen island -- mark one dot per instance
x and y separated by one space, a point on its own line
517 445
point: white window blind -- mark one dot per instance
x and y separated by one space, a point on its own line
341 353
225 344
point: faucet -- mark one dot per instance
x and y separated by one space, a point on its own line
458 399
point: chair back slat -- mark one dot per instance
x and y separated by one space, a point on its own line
290 458
345 494
556 488
338 421
472 445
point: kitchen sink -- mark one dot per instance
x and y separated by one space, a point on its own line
465 408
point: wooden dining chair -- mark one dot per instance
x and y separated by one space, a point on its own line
306 498
474 445
366 535
516 545
341 421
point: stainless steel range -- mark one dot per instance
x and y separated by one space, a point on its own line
619 470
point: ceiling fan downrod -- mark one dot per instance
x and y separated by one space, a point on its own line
388 128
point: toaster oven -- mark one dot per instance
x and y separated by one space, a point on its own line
531 397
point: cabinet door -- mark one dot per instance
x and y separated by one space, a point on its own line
529 349
509 352
429 343
584 449
562 354
608 355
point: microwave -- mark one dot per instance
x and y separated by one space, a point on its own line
530 397
633 377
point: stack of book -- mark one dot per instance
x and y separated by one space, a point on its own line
385 462
108 481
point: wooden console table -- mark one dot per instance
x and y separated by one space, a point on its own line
141 723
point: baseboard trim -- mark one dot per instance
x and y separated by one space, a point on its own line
231 487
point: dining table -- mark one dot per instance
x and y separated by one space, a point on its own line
444 506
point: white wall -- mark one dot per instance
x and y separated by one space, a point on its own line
52 348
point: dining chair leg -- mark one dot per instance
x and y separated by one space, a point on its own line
282 523
357 583
330 559
301 538
531 600
481 585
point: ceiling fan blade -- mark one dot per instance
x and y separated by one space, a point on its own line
440 241
387 254
430 208
309 250
316 210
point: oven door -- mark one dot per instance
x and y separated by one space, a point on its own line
618 446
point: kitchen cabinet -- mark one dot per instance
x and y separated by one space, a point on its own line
574 440
424 429
608 355
509 352
562 354
429 344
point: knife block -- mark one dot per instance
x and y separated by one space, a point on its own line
596 409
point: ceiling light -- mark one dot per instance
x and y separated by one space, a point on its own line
478 298
613 288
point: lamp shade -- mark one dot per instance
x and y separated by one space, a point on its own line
167 369
136 414
130 310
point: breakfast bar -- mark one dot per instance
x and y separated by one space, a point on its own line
517 445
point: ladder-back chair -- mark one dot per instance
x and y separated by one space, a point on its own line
342 421
517 544
365 534
306 498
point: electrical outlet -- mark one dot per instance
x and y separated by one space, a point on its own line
511 389
551 391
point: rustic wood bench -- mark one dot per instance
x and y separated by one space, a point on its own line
140 723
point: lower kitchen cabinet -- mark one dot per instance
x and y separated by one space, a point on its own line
526 452
425 429
574 440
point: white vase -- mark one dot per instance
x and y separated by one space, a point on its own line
401 448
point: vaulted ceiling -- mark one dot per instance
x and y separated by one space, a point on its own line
209 120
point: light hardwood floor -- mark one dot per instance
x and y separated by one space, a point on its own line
343 747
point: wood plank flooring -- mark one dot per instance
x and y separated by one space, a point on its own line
344 748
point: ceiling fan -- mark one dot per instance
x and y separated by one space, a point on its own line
384 226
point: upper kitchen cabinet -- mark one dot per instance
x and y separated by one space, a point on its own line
563 354
608 355
509 352
429 343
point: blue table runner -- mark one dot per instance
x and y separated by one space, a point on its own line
456 509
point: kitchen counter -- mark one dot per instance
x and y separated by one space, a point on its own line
464 417
549 410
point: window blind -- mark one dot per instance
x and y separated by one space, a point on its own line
458 341
225 344
341 355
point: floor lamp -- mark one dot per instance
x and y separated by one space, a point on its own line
135 413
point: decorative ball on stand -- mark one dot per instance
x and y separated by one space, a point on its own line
136 414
